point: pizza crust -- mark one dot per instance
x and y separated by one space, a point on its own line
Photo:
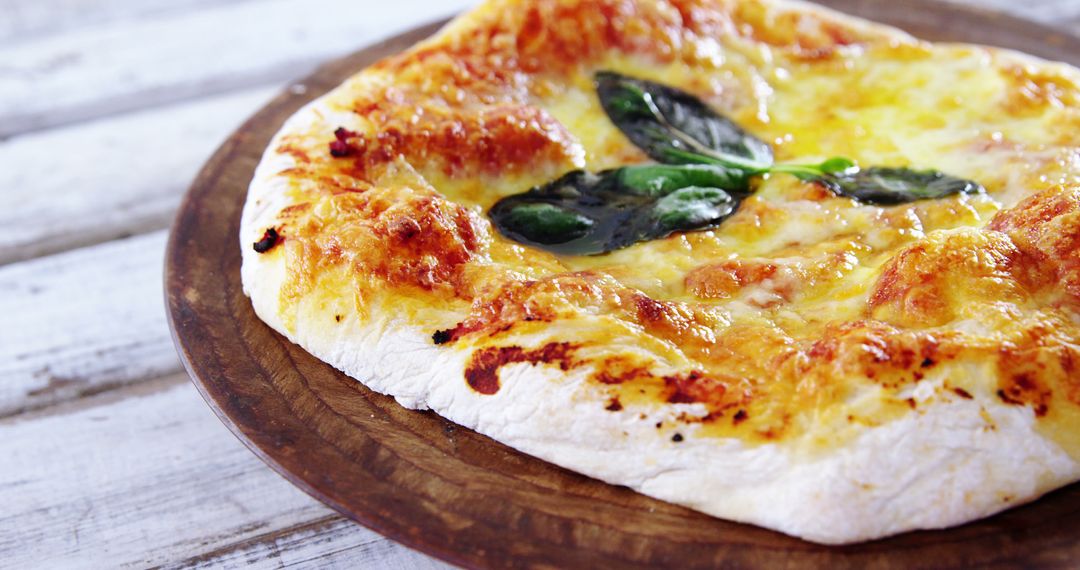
955 460
943 467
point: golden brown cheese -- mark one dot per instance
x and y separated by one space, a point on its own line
1046 227
804 312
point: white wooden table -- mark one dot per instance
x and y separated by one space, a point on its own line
108 456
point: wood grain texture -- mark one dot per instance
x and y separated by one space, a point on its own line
1060 13
467 499
126 177
325 543
97 71
152 479
28 18
82 322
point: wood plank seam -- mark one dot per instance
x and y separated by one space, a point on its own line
317 524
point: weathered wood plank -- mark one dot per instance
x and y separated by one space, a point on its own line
326 543
26 18
1064 13
82 322
97 181
154 479
130 65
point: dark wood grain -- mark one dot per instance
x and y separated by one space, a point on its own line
452 493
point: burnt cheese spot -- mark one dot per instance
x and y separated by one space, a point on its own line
441 337
482 371
1025 389
340 147
962 393
269 239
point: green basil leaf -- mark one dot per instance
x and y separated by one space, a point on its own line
881 185
545 223
584 213
660 179
675 127
693 208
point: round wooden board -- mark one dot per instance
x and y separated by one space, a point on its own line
462 497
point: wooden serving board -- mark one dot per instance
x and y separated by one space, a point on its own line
462 497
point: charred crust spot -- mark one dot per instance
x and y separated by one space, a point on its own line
343 134
615 370
677 438
963 393
680 388
442 336
269 239
696 386
740 417
482 371
340 147
1025 389
614 405
404 229
927 363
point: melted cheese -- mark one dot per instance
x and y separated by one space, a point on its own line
803 318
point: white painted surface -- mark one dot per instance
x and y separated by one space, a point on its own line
151 477
27 18
84 321
127 98
100 180
124 65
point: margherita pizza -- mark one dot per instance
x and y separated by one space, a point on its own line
753 257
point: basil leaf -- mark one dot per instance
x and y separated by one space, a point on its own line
881 185
546 223
659 179
693 207
675 127
584 213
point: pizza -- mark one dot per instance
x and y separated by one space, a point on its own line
753 257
